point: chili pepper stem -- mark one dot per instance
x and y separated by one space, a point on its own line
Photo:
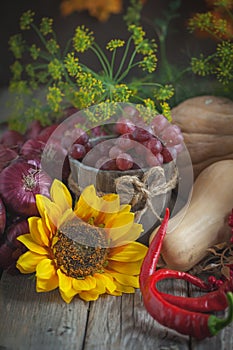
216 324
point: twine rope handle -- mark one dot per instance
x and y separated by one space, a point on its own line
153 184
133 190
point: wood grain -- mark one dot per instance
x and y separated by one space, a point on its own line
43 321
30 320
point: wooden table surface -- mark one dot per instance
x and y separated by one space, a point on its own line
43 321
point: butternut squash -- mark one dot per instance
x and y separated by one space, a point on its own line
205 222
207 126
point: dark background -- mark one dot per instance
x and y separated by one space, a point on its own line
179 44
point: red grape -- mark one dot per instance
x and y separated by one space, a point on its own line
172 135
124 161
100 162
88 147
82 137
114 152
125 141
105 163
124 126
159 156
154 145
168 153
141 134
110 164
159 123
77 151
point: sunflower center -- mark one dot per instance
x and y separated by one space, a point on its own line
78 248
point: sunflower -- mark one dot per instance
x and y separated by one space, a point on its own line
87 250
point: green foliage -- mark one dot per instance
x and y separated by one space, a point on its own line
66 81
185 79
220 63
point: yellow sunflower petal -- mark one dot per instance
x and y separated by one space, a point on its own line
122 221
131 252
119 238
31 245
43 285
111 197
89 296
100 287
118 227
116 293
125 208
46 274
28 262
67 215
107 281
110 203
87 283
126 280
38 231
129 268
124 289
67 297
53 211
49 224
88 204
45 269
60 195
65 287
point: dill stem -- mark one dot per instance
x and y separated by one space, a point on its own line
102 58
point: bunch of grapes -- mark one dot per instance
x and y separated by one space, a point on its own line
135 144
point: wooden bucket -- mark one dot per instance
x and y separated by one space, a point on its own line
107 181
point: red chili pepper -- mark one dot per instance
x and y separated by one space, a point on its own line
196 324
151 259
213 301
173 311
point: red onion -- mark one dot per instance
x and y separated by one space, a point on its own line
11 249
2 217
6 156
45 134
33 130
12 139
32 148
19 183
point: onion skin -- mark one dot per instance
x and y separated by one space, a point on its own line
2 217
11 249
45 133
7 155
12 139
19 183
33 130
32 148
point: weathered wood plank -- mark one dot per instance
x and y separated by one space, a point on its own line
37 321
43 321
30 320
123 323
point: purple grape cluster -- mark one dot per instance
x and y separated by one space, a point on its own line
136 145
